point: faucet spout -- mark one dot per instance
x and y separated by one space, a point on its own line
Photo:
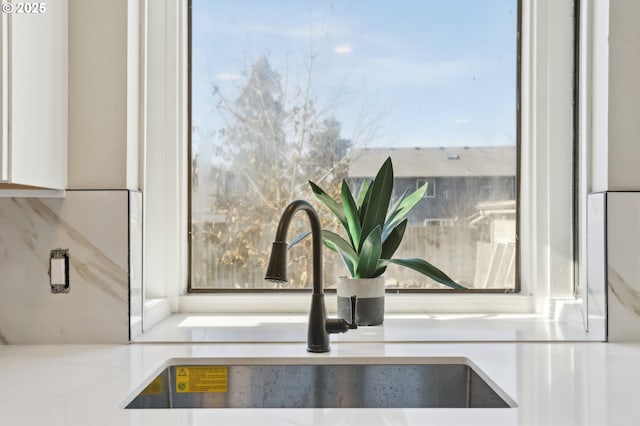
319 326
276 270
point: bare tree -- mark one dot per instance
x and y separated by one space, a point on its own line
269 148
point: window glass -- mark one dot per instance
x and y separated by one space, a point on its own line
283 92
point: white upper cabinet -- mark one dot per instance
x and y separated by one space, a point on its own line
34 95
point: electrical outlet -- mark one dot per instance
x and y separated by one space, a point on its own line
59 271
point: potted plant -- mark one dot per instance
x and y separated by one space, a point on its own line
374 231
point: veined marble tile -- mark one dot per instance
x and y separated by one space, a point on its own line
93 226
623 265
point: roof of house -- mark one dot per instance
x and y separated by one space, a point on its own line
436 162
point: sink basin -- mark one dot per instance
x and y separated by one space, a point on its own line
344 385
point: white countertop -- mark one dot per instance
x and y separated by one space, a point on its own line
552 384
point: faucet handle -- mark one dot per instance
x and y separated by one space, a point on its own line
354 305
341 325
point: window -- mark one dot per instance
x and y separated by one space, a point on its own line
286 91
544 183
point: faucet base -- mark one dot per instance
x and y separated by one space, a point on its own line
318 350
317 335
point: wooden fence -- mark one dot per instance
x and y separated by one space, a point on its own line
450 248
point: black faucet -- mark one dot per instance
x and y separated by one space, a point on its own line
319 325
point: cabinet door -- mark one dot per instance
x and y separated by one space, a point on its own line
35 60
4 98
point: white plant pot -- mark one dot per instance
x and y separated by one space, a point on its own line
370 294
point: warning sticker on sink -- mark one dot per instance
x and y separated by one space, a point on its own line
201 379
154 388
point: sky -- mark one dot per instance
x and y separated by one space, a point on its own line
402 73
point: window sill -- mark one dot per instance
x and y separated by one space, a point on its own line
397 328
394 303
284 326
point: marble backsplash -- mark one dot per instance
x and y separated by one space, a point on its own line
614 262
102 231
623 265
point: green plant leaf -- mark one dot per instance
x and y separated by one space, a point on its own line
379 270
403 208
340 245
395 206
378 203
329 203
391 213
348 263
335 243
301 236
427 269
370 254
351 213
362 205
390 245
364 189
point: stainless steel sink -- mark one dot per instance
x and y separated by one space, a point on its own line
352 385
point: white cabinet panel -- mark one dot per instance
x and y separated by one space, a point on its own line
35 97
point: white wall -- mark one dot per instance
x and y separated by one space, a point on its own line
616 95
103 94
624 95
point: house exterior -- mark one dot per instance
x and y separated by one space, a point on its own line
459 178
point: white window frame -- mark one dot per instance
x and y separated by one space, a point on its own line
545 204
